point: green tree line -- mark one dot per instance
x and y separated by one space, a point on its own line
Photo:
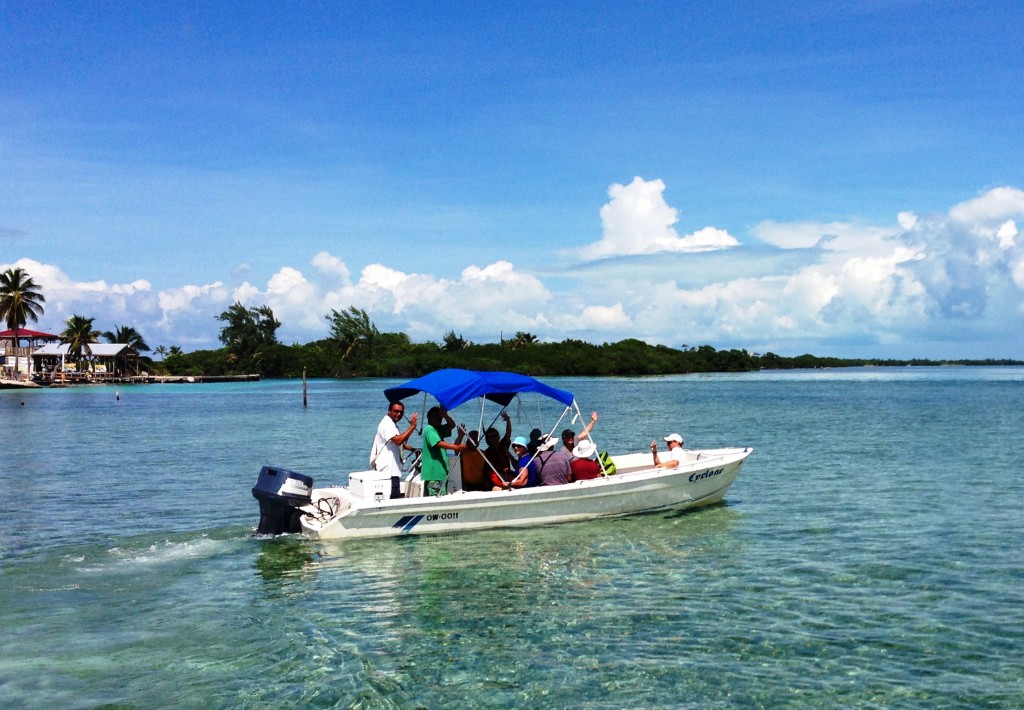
357 348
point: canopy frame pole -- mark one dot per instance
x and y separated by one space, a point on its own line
483 404
553 429
579 415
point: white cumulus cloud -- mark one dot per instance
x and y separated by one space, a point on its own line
603 317
996 205
1007 234
637 220
187 315
327 263
906 220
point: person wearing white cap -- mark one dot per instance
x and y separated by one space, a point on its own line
675 452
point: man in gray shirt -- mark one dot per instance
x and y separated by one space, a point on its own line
552 465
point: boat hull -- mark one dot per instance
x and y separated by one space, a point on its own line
637 487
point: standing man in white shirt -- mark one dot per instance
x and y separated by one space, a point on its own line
386 455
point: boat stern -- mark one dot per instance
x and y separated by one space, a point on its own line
281 494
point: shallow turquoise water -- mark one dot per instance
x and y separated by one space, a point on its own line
870 555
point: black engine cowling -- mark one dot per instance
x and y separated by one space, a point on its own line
281 493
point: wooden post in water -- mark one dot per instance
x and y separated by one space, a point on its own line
305 398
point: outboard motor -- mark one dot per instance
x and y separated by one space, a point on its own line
280 494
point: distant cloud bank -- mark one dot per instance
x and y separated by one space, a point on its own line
942 285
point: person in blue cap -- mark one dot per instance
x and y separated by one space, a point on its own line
526 470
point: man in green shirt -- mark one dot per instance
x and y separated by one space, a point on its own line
434 470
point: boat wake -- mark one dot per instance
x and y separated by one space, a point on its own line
157 554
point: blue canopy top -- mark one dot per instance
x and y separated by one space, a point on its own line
453 387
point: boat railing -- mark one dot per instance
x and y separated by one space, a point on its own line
630 463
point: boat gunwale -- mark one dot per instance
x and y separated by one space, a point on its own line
459 499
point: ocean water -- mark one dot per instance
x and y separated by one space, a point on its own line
870 555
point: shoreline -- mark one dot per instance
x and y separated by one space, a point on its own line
200 379
6 384
130 380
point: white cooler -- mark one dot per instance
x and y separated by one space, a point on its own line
372 485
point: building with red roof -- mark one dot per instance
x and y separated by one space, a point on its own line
16 352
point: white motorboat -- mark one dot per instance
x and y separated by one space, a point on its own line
376 504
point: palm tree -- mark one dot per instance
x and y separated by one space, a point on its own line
521 340
79 335
249 331
352 329
20 302
453 342
162 351
129 336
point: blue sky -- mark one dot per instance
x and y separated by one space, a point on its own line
836 178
